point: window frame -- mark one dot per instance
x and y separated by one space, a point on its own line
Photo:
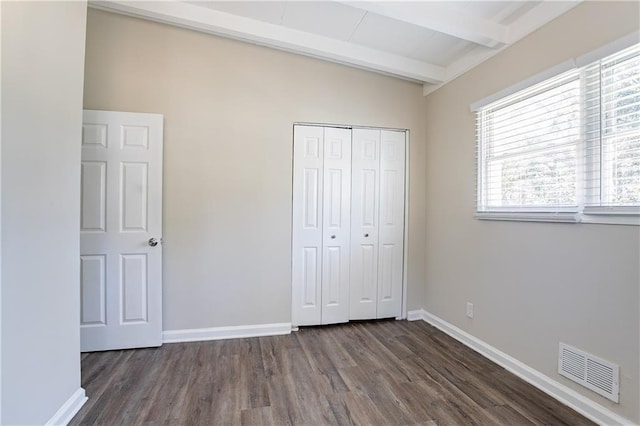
622 215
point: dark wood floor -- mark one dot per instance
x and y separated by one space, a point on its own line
381 373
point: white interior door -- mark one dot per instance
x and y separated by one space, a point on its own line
391 232
365 202
121 230
336 225
308 171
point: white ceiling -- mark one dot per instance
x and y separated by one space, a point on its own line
431 42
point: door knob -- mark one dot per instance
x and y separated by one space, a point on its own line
333 237
366 235
153 242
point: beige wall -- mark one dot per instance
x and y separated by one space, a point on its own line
42 75
532 284
229 108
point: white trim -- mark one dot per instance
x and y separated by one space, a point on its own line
69 409
610 219
613 210
0 225
405 261
524 84
562 217
415 315
608 49
592 217
580 61
429 88
346 126
220 333
580 403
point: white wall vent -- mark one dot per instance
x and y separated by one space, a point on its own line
591 372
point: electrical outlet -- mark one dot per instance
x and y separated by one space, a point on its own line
470 310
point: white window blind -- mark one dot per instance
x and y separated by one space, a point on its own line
612 133
528 148
567 145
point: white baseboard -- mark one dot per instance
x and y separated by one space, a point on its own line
415 315
583 405
69 409
219 333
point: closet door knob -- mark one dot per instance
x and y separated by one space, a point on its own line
333 237
366 235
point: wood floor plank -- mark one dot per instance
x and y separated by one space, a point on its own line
285 407
327 375
362 373
416 399
363 411
175 392
256 416
99 371
168 382
254 376
534 404
505 414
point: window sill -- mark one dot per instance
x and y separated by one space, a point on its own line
564 217
529 216
611 219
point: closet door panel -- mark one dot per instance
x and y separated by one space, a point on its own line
308 176
336 225
391 229
365 200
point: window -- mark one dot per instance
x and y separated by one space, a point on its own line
565 148
612 116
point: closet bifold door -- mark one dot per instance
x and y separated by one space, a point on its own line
306 295
336 224
377 223
365 203
391 229
321 220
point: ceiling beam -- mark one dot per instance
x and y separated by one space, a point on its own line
212 21
540 15
442 17
535 18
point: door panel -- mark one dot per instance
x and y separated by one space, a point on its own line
332 280
391 232
368 267
308 172
334 200
389 190
311 274
369 190
388 252
364 223
133 282
133 205
121 209
93 196
93 290
311 198
336 214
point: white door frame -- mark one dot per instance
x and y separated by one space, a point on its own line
405 277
